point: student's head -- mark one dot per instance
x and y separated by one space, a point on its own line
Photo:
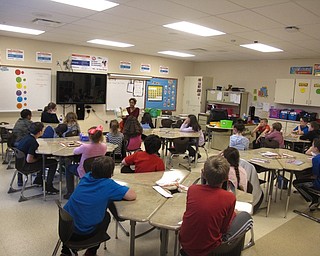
314 126
146 118
132 127
71 118
303 121
114 126
36 127
61 129
95 134
26 114
263 122
102 167
277 126
132 102
51 107
152 144
232 155
216 170
316 143
193 122
238 127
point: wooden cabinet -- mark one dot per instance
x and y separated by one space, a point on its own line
305 92
194 94
237 101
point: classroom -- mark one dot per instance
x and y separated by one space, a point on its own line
217 73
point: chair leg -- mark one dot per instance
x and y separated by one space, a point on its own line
11 189
251 242
118 224
56 248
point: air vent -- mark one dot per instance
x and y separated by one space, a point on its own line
46 22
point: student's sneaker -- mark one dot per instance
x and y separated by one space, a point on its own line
193 160
38 181
51 190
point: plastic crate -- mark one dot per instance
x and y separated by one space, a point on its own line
274 113
284 114
294 116
226 123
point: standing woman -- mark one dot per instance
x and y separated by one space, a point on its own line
49 114
132 111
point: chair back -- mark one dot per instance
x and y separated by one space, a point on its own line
180 145
166 123
266 143
87 164
71 133
177 124
11 139
20 159
167 112
65 224
4 134
249 187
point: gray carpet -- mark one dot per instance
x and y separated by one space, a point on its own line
287 240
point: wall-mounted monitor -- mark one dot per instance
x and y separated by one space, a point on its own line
81 88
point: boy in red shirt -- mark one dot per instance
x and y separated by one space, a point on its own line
145 161
209 219
260 131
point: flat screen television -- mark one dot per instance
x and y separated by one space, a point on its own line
81 88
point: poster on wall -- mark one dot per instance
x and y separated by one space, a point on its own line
301 70
163 70
15 54
145 68
316 69
161 93
44 57
89 62
125 65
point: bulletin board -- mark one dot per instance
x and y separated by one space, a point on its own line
23 87
161 93
119 91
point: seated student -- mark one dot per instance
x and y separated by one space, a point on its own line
209 219
146 121
93 149
114 136
89 202
303 185
145 161
237 140
29 145
313 132
22 126
50 132
260 131
132 132
191 125
303 128
49 115
237 175
71 120
275 134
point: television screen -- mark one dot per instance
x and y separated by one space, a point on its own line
81 88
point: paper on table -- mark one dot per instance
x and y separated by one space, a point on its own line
268 153
258 160
243 207
295 162
161 191
168 179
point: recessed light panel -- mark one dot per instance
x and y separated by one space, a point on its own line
193 29
109 43
95 5
21 30
178 54
261 47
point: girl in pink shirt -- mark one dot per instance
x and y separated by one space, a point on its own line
93 149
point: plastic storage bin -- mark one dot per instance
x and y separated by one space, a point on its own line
284 114
274 113
226 123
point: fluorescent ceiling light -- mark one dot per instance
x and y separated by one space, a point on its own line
109 43
261 47
178 54
193 29
21 30
95 5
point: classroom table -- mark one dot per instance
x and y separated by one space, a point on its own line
54 147
168 134
285 161
290 141
148 200
170 214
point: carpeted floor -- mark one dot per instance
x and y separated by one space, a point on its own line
286 240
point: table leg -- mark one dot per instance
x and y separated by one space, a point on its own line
289 194
164 242
270 190
44 177
197 152
60 179
132 236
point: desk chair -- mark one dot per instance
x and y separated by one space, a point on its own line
166 123
180 146
66 230
71 133
20 165
177 124
3 136
9 156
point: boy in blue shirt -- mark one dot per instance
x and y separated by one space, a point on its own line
89 202
303 128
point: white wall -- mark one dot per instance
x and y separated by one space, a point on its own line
255 74
177 69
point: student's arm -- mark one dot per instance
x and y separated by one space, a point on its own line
255 130
128 160
130 195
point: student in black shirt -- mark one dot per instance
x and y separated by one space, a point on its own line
29 145
313 132
49 114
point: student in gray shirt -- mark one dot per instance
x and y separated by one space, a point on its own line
22 126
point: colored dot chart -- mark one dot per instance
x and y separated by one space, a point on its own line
21 89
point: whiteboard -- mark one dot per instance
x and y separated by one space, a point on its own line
119 91
24 88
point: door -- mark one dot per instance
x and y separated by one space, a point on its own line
191 97
314 99
284 91
302 92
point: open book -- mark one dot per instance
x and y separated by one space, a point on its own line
244 207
